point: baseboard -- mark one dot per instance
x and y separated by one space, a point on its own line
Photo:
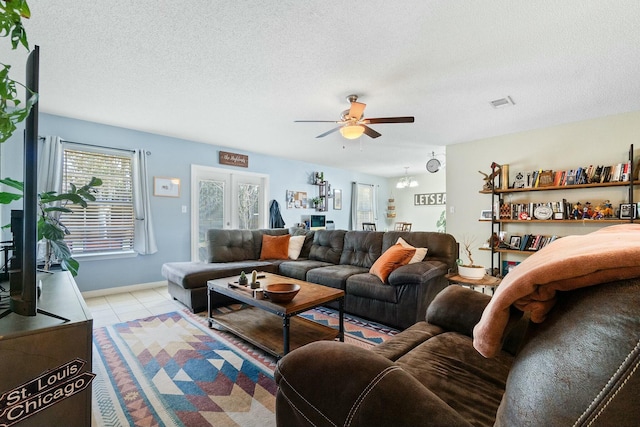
122 289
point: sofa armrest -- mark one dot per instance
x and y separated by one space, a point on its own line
328 383
459 309
417 273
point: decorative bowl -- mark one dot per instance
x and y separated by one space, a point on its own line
281 292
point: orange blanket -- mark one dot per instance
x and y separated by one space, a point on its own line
609 254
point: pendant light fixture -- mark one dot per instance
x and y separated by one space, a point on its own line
406 180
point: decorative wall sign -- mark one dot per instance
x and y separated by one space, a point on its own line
297 200
42 392
428 199
166 187
233 159
337 199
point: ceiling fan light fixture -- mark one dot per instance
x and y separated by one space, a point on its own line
352 131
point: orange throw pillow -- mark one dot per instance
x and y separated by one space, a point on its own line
275 247
394 257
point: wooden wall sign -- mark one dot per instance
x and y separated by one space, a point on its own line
428 199
233 159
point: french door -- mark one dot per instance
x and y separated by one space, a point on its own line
221 198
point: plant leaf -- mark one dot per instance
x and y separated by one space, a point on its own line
6 198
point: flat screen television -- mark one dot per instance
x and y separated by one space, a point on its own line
23 280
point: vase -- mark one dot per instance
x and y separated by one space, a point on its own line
475 273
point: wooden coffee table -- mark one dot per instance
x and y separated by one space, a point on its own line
275 327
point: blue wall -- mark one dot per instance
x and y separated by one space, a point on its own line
172 157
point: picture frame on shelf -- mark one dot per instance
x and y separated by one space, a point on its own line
166 187
486 214
514 242
337 200
507 266
627 211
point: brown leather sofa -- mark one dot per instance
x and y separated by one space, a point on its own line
577 368
335 258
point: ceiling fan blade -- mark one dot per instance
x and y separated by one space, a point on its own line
356 110
370 132
328 132
389 120
316 121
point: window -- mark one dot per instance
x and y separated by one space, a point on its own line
106 225
365 205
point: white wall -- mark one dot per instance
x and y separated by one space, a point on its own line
422 217
604 140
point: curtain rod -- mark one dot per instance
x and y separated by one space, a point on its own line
99 146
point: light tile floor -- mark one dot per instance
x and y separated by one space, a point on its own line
110 309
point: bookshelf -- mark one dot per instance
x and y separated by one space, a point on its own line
558 211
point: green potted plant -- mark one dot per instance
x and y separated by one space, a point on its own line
469 270
242 280
50 229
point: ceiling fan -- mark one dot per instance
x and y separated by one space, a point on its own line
353 124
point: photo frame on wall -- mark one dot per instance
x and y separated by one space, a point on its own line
166 187
337 200
296 199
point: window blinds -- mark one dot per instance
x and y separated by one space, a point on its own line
106 225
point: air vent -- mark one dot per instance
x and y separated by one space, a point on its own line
502 102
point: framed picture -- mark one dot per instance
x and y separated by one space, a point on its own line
627 211
514 242
166 187
296 199
486 214
337 199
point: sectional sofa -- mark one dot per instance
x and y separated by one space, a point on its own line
336 258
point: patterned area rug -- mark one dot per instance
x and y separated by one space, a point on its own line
173 370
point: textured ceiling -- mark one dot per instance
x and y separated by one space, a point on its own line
237 74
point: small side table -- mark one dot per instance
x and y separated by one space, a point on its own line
486 282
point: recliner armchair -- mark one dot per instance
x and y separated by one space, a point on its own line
579 367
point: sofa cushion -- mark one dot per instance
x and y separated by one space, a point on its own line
442 246
334 276
295 246
471 384
275 247
361 248
298 269
230 245
327 246
257 238
308 240
391 259
420 252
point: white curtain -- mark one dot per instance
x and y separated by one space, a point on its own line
144 240
50 164
354 206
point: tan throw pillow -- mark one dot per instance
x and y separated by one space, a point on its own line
420 252
394 257
275 247
295 246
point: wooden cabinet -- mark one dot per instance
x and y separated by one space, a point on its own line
548 196
31 345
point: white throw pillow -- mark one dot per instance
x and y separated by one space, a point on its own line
295 246
419 255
